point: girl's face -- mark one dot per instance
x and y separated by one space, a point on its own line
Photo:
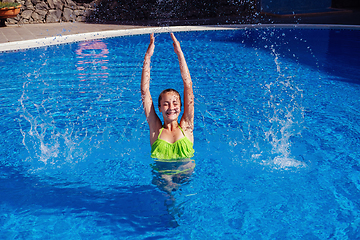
170 106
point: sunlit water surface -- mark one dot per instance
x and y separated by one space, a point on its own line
276 138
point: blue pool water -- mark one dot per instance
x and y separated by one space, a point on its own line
276 138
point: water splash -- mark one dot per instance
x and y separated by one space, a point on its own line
55 124
44 141
285 117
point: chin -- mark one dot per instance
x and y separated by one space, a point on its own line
172 117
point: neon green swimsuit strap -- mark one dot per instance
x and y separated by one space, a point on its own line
160 132
163 129
182 131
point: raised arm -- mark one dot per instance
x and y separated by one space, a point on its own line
187 120
151 116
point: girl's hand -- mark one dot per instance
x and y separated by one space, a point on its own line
176 44
150 50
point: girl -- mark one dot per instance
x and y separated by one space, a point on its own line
171 141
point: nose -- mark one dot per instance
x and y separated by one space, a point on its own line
171 105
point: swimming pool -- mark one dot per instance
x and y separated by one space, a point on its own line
276 138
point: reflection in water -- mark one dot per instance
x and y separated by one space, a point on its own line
92 60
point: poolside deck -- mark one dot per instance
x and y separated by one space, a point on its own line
25 32
15 33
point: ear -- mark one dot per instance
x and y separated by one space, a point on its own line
159 109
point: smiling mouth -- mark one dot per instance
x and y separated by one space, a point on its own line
171 112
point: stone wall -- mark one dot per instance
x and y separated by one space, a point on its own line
51 11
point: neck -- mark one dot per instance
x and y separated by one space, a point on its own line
171 125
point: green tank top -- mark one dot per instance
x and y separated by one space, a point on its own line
182 148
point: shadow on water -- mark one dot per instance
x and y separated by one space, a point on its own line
332 51
139 209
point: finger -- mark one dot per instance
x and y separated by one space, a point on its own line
173 37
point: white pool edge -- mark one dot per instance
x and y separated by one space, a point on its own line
48 41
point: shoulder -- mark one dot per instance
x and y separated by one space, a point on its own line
188 129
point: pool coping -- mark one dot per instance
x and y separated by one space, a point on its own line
57 40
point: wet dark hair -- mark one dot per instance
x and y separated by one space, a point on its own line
166 91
